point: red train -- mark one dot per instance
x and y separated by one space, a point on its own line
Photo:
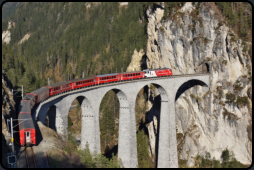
26 126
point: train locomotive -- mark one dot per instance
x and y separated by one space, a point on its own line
26 124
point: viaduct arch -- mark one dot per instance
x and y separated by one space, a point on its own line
170 88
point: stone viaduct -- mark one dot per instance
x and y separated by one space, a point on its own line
170 88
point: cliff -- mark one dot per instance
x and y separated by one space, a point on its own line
193 42
8 110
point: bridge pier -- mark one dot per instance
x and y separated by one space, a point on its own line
88 126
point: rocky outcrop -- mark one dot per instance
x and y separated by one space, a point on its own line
24 38
8 110
136 61
6 35
194 42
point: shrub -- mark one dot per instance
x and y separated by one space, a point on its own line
237 86
231 116
230 97
224 62
98 160
225 155
242 100
233 39
219 89
216 163
69 122
208 58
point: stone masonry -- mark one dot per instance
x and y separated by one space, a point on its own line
127 93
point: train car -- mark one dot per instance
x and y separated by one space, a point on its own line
107 78
132 75
40 94
26 125
158 72
59 87
31 98
83 82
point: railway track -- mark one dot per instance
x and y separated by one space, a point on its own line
33 157
30 159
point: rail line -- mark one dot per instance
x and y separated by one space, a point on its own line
30 159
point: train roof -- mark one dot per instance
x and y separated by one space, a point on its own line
105 75
29 97
24 124
131 72
59 84
40 90
25 106
81 79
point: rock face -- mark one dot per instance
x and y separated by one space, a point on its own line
188 44
6 35
24 38
136 60
8 110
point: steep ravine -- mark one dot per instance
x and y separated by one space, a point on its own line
190 43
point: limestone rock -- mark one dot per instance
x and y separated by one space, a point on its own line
189 45
6 36
136 61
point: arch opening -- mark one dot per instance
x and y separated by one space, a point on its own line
50 120
147 110
187 85
74 120
109 122
188 94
